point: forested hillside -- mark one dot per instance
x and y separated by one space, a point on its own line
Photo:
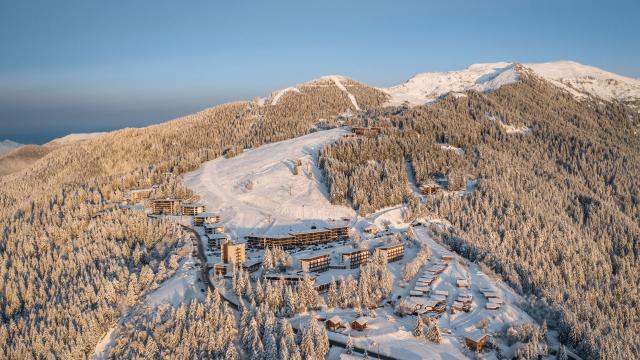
556 210
69 255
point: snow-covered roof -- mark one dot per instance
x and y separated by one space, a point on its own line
475 336
336 319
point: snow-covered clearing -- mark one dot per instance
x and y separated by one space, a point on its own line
277 201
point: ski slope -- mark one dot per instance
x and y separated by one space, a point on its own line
278 201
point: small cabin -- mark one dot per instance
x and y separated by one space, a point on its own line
447 257
492 306
367 131
359 324
463 283
429 189
476 340
335 323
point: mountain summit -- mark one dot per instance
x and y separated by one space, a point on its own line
578 79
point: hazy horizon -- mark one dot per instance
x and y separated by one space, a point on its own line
85 67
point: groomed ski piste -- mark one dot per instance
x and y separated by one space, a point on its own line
278 201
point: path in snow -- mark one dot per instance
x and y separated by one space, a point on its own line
279 94
340 85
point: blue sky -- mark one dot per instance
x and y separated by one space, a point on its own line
82 65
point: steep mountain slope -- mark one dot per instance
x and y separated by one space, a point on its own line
582 80
548 201
579 80
8 145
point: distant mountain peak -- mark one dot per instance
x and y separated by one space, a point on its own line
578 79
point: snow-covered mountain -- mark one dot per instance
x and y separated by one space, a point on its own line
580 80
67 139
8 145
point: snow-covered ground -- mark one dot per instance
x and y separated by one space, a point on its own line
579 80
427 87
182 287
277 201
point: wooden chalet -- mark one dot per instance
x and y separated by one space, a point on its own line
429 189
476 340
359 324
366 131
335 323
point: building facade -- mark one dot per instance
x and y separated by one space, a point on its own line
206 218
392 253
233 253
192 209
299 238
355 259
318 263
165 206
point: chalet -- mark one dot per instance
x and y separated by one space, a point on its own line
476 340
359 324
137 195
428 189
392 253
423 289
233 253
192 209
206 218
447 257
354 259
335 323
415 293
165 206
366 131
492 306
318 263
215 228
215 241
